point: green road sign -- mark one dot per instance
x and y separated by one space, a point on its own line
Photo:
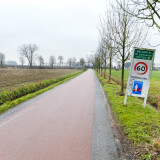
143 54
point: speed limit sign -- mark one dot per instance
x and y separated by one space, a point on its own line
140 73
141 68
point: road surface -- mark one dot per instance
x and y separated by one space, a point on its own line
70 122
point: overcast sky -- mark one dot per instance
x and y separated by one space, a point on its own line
58 27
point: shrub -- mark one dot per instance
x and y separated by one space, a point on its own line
31 88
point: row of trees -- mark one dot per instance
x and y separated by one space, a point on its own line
120 31
28 52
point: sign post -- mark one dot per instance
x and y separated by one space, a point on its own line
140 73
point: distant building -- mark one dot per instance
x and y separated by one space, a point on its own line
11 63
118 65
127 65
156 66
78 64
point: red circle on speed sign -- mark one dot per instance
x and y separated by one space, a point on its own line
141 68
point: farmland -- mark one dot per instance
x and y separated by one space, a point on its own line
11 78
154 90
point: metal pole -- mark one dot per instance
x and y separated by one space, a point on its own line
125 99
145 99
130 71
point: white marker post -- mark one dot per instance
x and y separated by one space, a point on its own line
140 73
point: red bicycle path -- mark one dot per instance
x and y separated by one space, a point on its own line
58 126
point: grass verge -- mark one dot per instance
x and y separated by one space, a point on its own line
141 126
154 89
8 104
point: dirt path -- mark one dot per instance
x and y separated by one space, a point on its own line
61 125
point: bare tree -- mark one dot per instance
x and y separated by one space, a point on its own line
40 60
52 61
87 61
60 58
2 59
147 10
109 44
105 32
74 61
28 51
82 62
97 62
69 62
126 34
102 58
22 60
91 59
108 41
111 56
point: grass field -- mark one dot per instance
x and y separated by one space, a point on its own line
141 126
154 89
11 78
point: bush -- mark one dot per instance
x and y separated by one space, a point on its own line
31 88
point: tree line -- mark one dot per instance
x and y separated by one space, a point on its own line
28 52
124 27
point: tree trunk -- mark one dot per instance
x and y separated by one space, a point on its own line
110 68
123 57
30 65
105 69
122 80
101 70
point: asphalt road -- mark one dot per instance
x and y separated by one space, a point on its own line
70 122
